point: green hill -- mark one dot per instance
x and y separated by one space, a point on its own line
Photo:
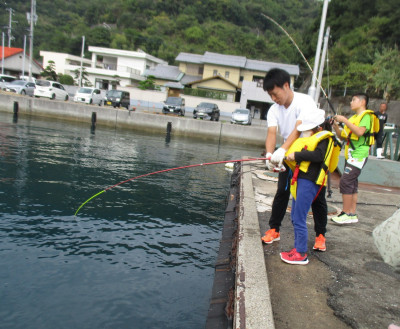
362 44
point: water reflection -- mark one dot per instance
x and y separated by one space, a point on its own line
140 253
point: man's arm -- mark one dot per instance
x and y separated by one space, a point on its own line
270 141
279 154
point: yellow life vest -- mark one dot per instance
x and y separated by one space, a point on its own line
330 162
369 135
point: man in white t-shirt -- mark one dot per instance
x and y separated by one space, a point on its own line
286 114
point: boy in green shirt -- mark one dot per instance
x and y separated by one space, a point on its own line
356 133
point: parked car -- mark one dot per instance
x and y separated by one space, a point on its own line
20 87
207 110
26 78
5 79
117 98
89 96
50 89
174 105
241 116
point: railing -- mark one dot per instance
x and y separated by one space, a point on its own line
391 134
206 93
120 68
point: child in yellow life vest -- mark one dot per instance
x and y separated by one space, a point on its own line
309 157
358 133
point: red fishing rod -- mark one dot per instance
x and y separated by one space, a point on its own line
163 171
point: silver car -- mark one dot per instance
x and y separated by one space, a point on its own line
89 96
241 116
21 87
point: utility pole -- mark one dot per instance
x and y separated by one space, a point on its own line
2 52
321 67
32 18
23 59
312 89
82 54
10 21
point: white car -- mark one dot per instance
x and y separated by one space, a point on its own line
89 96
5 80
241 116
21 87
50 89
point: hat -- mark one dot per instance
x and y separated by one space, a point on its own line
313 119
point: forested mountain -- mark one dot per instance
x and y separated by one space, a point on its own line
363 40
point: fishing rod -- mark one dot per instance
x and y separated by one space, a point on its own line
163 171
302 55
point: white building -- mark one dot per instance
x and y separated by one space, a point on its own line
107 67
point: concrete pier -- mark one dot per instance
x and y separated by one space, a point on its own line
122 118
348 286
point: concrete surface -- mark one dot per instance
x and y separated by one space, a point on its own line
349 285
252 304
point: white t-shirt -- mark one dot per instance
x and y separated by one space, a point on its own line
285 118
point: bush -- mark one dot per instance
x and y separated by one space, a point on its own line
66 79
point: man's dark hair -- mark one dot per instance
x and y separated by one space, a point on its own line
276 78
363 96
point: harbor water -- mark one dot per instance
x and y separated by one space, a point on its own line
140 255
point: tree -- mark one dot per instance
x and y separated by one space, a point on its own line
66 79
386 72
149 83
85 81
49 72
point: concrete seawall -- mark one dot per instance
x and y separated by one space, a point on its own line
121 118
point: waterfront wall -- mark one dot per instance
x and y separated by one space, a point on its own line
122 118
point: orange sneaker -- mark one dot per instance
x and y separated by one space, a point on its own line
271 236
320 243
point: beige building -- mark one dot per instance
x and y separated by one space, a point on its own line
239 78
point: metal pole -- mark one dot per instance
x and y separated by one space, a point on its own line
23 59
83 52
312 89
32 18
9 27
2 53
321 67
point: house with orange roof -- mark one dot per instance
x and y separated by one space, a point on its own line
13 62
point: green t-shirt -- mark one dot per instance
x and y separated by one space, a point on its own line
361 146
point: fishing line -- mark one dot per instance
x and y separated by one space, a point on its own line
163 171
302 55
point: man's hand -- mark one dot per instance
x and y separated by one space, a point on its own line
278 156
268 162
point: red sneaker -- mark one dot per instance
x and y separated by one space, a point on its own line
271 236
293 257
320 243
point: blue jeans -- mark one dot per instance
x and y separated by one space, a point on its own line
306 192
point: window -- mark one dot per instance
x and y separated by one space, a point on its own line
227 74
201 70
215 72
259 80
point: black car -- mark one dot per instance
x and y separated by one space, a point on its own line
117 98
207 110
174 105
